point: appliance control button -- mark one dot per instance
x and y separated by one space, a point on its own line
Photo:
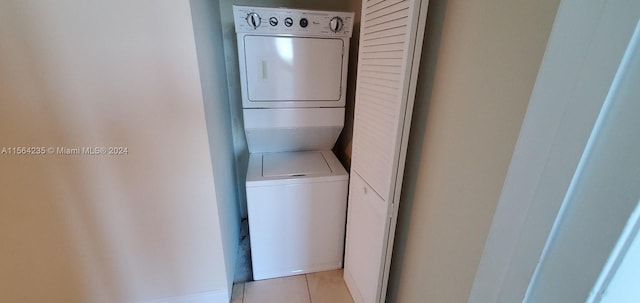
253 19
304 22
273 21
336 24
288 22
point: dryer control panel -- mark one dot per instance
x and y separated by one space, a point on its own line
283 21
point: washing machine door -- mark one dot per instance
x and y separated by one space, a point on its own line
293 71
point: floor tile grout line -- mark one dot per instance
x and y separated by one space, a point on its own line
306 278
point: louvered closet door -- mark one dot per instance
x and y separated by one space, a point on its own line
391 33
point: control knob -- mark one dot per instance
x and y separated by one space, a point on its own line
253 19
336 24
288 22
304 22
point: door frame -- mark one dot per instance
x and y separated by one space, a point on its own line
584 51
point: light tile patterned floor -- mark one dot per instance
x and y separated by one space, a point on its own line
320 287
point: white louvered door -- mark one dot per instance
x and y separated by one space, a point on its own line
391 33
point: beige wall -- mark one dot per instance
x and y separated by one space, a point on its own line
479 65
343 146
127 228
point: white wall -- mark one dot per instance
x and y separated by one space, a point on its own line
208 33
479 64
124 228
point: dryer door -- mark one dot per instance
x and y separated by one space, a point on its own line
293 71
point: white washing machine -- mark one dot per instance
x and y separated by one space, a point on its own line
293 69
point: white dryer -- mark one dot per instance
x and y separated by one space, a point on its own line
293 68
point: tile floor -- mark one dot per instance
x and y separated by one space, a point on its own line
320 287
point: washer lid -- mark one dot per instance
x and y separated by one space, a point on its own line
294 164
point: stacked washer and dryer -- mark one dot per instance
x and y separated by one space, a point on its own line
293 69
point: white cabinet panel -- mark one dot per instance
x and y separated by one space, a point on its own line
296 228
389 55
365 240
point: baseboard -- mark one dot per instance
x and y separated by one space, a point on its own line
261 275
352 287
216 296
